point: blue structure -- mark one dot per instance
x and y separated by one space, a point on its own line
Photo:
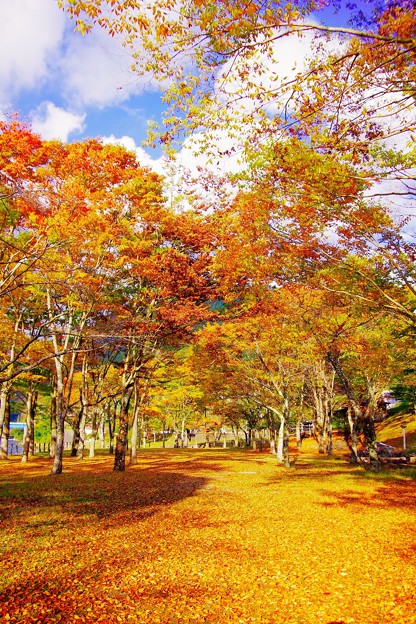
14 447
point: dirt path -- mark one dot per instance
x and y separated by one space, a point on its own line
207 536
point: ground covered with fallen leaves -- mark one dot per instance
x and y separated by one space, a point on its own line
207 536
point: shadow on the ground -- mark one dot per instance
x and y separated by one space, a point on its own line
397 494
95 492
394 487
91 487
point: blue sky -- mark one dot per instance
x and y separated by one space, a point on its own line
69 86
66 85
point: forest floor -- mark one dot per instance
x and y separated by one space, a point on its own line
207 536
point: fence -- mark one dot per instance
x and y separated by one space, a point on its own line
15 448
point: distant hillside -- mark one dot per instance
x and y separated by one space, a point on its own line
390 431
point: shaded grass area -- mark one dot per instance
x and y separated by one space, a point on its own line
390 431
207 536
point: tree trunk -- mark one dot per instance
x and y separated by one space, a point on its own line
369 430
135 428
298 434
236 437
283 437
52 449
163 434
286 456
31 402
101 431
353 431
183 432
273 441
365 419
76 436
280 437
81 431
121 442
5 420
320 416
60 418
32 430
112 417
60 431
94 432
329 447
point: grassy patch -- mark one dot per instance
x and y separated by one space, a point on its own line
390 431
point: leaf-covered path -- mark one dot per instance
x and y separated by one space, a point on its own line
207 536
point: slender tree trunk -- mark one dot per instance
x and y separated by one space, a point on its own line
283 435
370 437
60 416
5 420
329 446
286 419
76 436
31 402
163 434
81 431
319 412
121 442
142 432
135 427
353 430
111 419
369 429
183 432
5 397
280 438
94 432
101 431
273 441
298 433
286 456
52 450
32 430
60 422
78 445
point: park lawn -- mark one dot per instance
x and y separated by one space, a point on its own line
210 535
391 432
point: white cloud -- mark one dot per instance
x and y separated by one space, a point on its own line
143 157
225 159
185 173
39 49
96 71
30 34
52 122
266 70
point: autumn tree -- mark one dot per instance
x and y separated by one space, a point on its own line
262 354
212 57
351 102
